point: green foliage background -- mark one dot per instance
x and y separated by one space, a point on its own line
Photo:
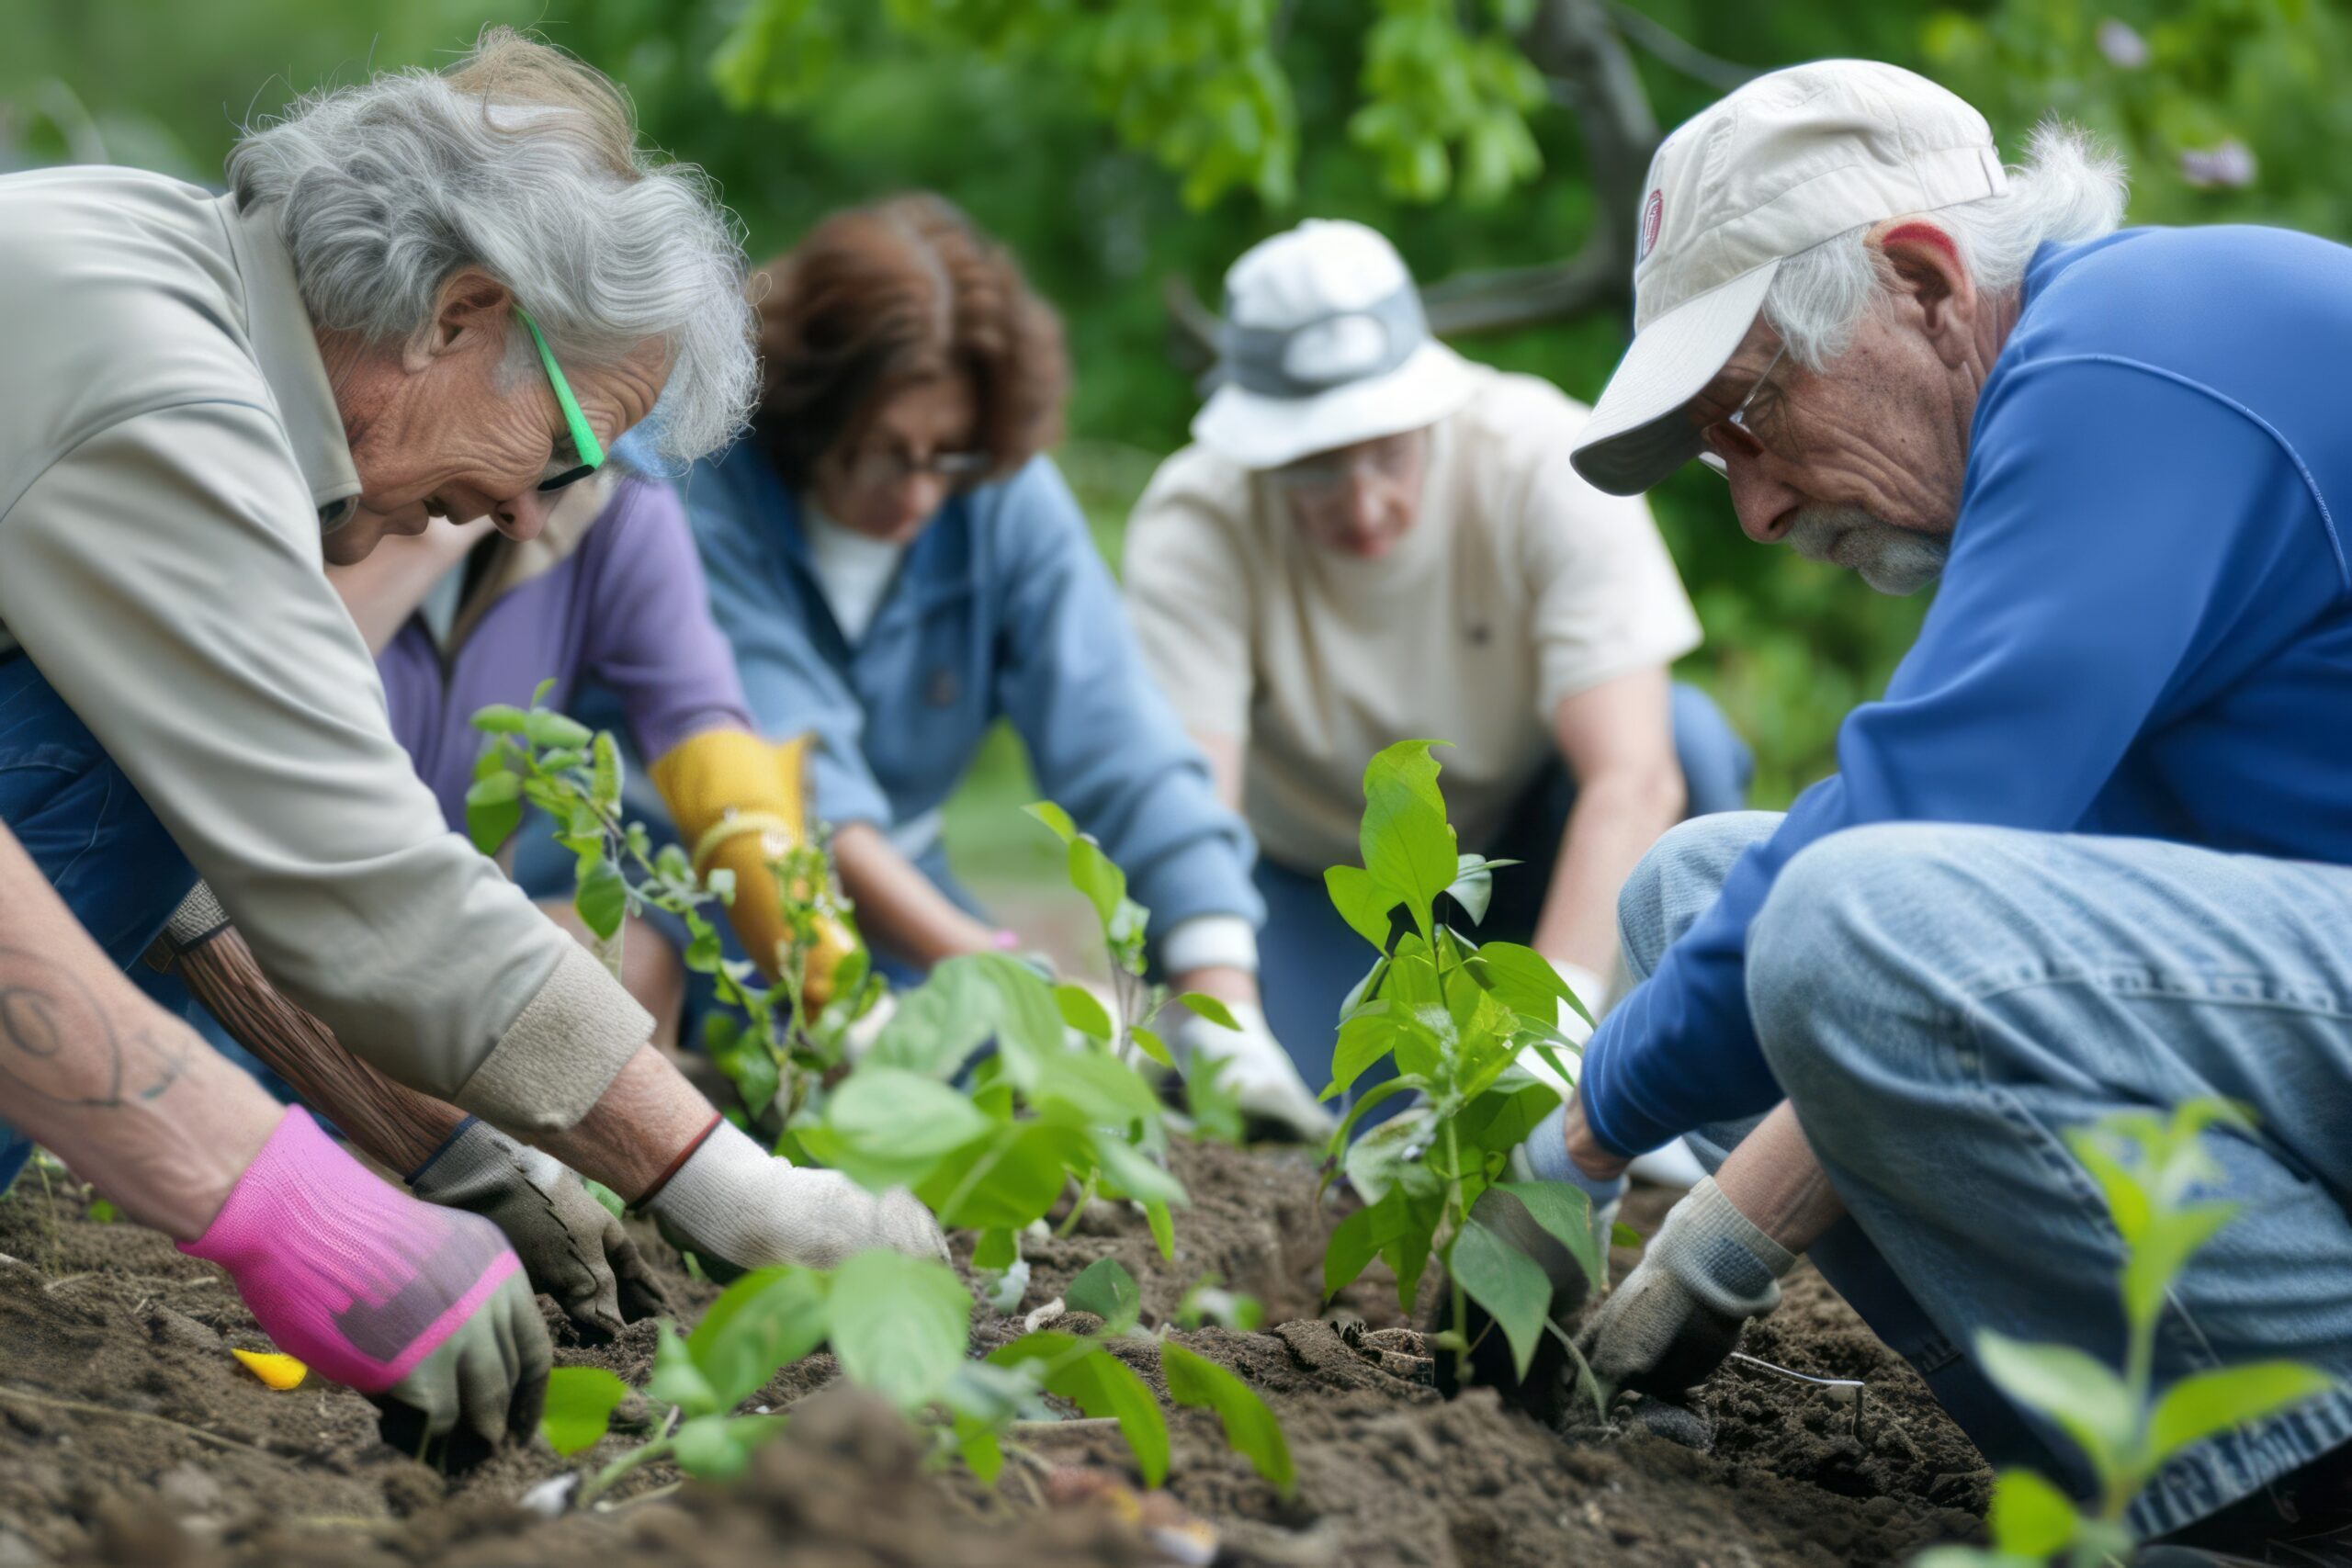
1077 129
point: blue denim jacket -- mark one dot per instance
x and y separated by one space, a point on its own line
1001 608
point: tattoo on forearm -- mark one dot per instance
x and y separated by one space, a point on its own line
60 1045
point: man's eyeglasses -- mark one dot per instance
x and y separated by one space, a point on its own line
1716 437
586 455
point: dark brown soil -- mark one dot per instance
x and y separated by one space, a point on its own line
128 1435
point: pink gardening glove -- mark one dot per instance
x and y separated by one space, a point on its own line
415 1306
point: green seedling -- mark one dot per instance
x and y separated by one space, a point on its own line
1059 1101
900 1326
765 1038
1125 924
1459 1019
2148 1167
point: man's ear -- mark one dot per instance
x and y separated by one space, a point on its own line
470 310
1931 280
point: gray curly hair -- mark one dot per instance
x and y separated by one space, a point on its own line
524 161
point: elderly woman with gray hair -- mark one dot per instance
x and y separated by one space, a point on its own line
425 297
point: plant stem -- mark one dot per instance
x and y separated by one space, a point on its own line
604 1479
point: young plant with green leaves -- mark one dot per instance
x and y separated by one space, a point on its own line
2149 1166
771 1044
1125 924
1462 1020
900 1327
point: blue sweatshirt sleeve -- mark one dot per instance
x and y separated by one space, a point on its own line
1105 742
792 688
2124 538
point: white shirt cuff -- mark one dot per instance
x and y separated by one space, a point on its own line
1207 942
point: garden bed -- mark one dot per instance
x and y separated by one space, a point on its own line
128 1435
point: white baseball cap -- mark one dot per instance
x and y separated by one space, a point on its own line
1790 160
1323 345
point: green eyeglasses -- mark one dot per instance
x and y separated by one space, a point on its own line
590 456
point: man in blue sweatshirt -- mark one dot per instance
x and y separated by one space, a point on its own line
2092 853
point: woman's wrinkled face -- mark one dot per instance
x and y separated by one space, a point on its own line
892 471
466 425
1359 499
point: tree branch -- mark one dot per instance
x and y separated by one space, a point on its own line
1671 49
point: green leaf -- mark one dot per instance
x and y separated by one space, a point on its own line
499 718
1507 1282
1093 874
1094 1088
1019 1008
2202 1404
1354 1245
1565 1216
579 1409
718 1448
1473 886
1082 1011
2030 1516
1365 1038
493 810
2088 1403
762 1323
893 1125
1152 1045
1084 1373
1362 902
1003 1181
1209 1008
1251 1429
1105 1289
1525 979
1163 1230
899 1324
1054 818
539 692
1408 846
1130 1174
542 728
1391 1155
676 1379
2169 1236
940 1023
604 774
602 901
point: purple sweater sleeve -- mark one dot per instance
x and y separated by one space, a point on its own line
651 637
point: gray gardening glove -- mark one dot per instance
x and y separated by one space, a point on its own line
734 1203
1258 1072
484 1383
1679 1313
571 1245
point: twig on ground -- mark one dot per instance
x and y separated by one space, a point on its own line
80 1407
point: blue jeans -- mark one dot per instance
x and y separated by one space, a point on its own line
1309 959
1942 1002
88 830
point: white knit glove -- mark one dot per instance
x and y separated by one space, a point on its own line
734 1201
1257 1071
1679 1313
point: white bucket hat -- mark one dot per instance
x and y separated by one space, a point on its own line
1790 160
1324 344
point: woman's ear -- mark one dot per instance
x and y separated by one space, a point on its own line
1934 284
471 310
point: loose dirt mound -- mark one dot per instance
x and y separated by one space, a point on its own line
128 1435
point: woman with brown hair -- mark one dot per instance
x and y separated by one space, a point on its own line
898 565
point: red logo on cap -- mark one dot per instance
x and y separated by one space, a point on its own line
1652 214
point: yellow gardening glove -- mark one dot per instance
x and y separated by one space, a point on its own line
739 803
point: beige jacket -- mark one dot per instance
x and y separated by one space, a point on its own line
170 456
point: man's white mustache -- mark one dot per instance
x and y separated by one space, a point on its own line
1890 559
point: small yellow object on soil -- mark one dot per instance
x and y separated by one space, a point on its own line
279 1372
